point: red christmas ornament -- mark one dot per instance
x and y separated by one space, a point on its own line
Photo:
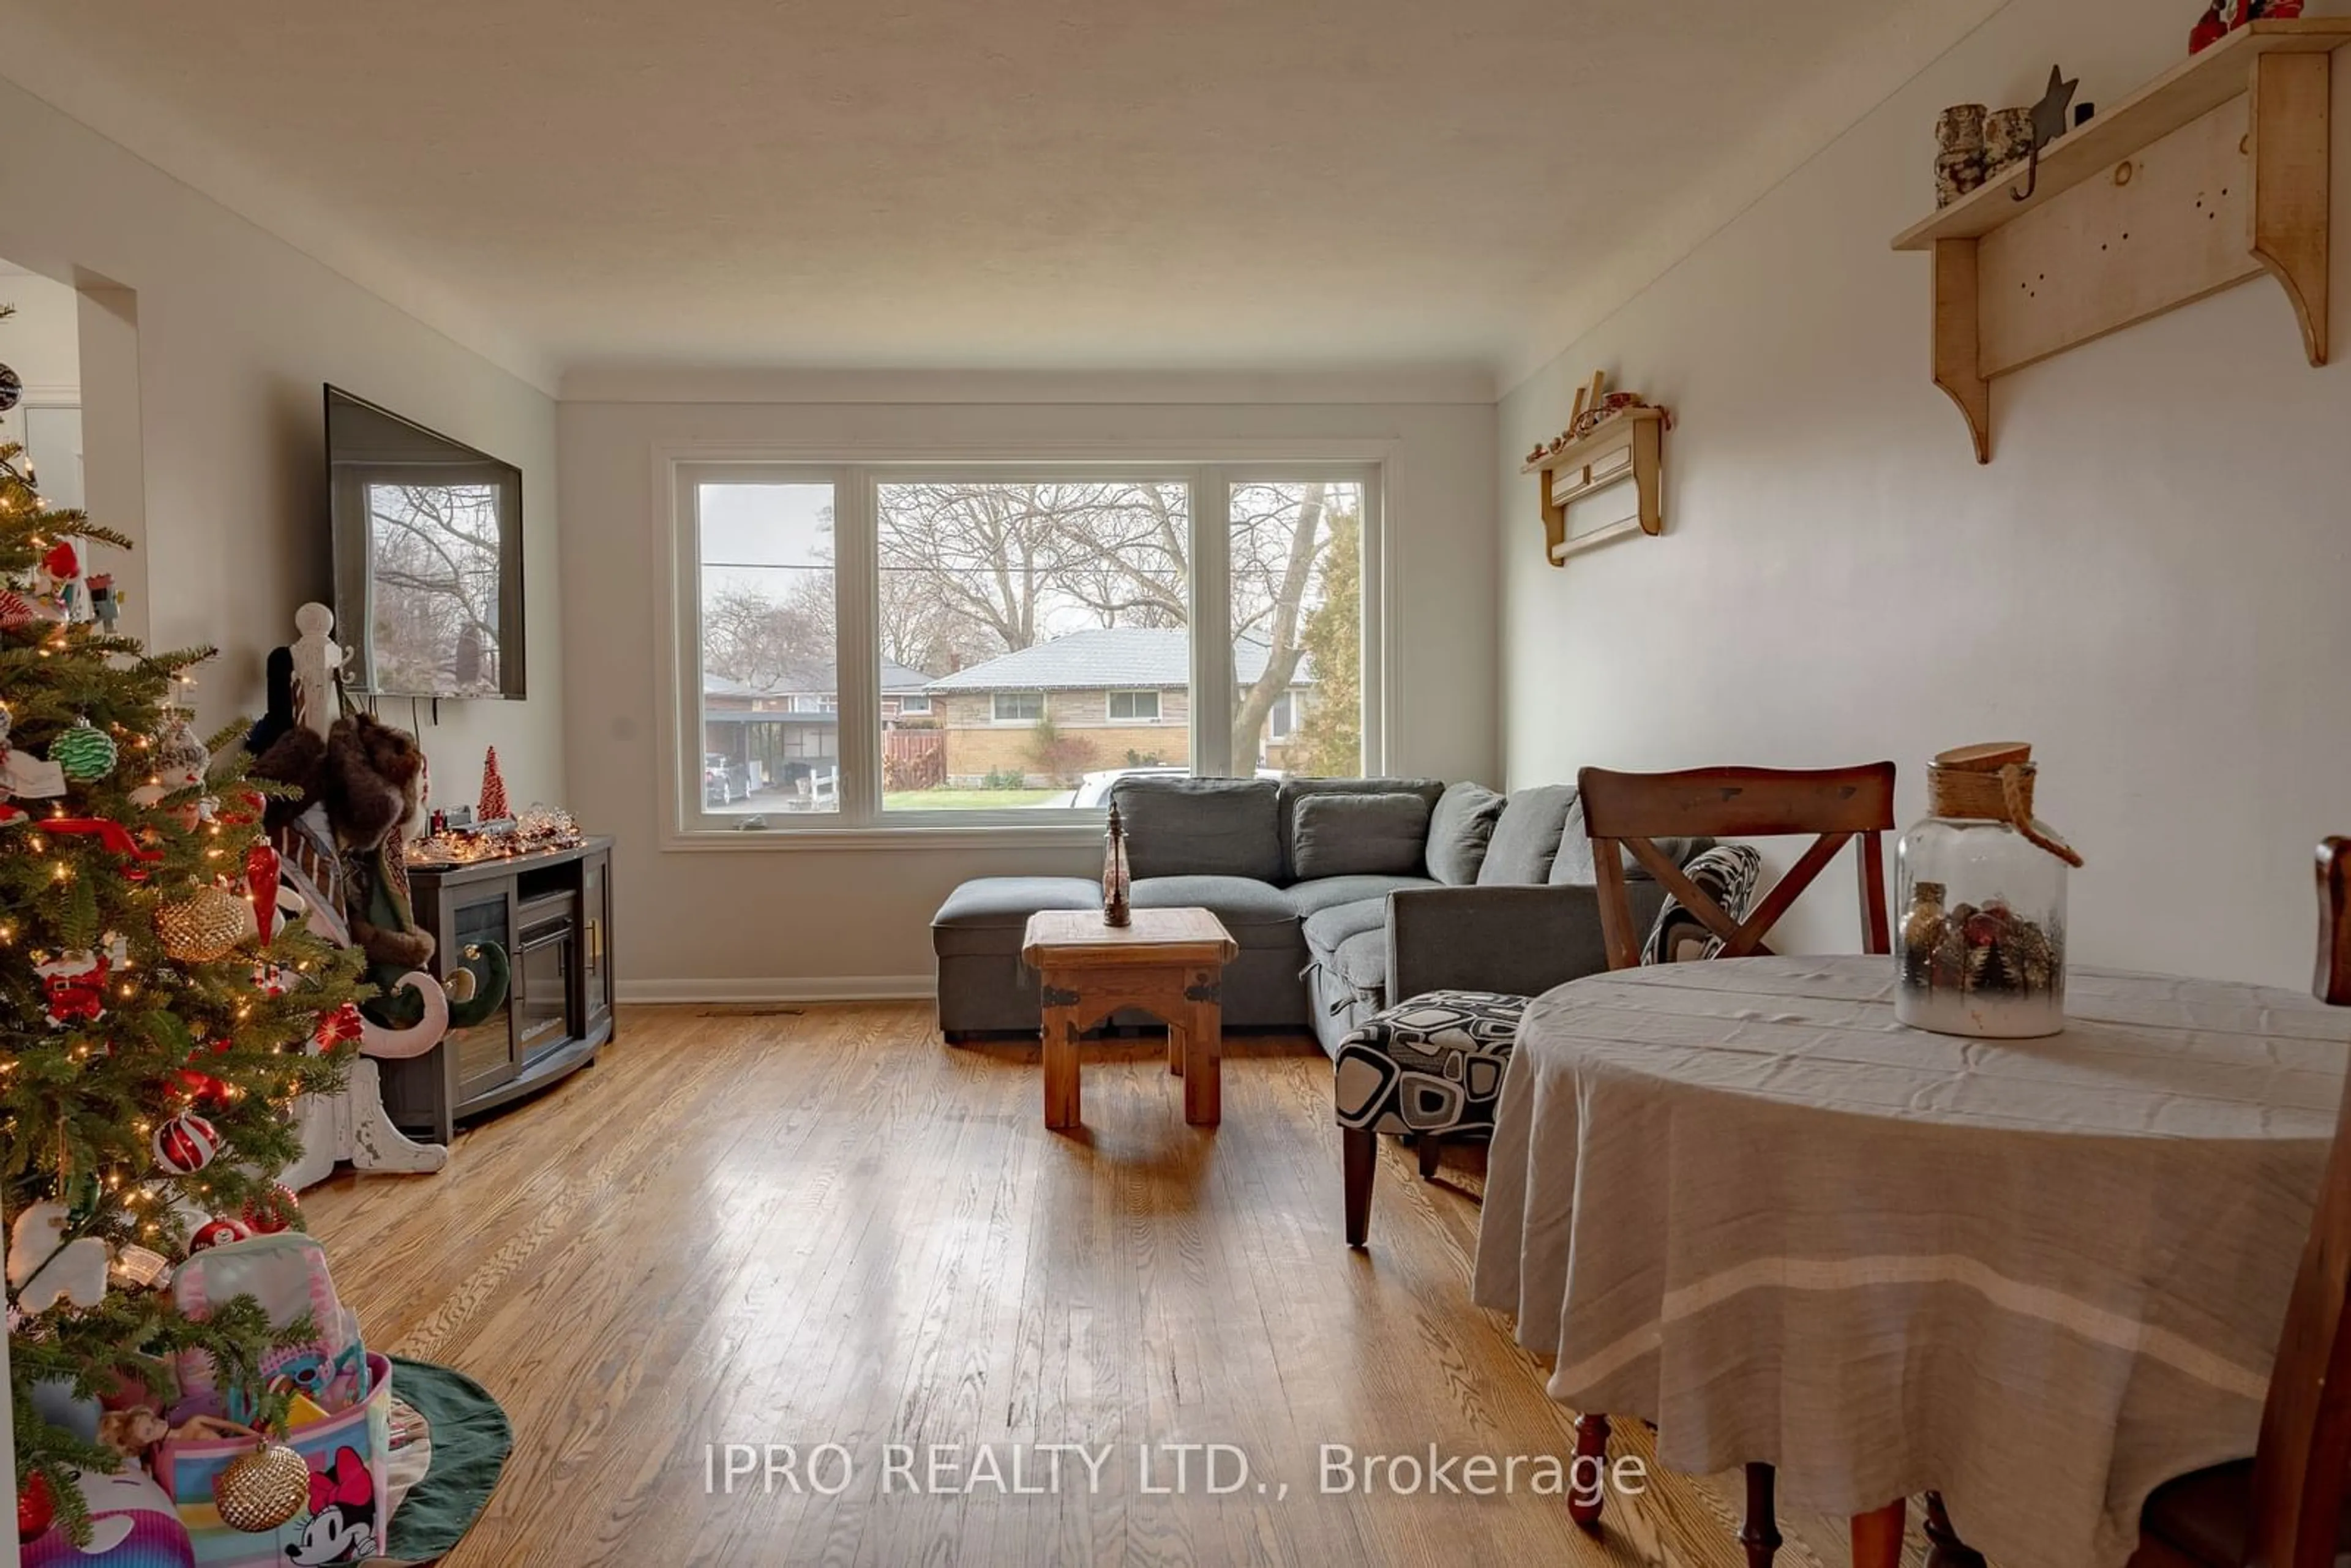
261 881
61 563
337 1027
492 807
36 1509
267 1213
216 1233
74 987
200 1086
2210 29
186 1144
15 609
246 812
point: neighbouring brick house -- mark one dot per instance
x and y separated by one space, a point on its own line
790 727
1117 697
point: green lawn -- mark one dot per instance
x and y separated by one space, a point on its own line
966 799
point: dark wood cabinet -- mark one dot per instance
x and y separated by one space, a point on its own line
551 913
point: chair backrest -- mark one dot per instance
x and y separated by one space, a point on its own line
2300 1470
1628 813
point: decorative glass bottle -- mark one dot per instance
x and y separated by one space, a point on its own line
1981 893
1115 880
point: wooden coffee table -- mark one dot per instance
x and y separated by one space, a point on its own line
1170 964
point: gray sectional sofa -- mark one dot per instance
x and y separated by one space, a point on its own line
1339 894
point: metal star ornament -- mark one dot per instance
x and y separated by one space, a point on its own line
2049 114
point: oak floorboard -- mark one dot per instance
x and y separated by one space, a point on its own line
820 1225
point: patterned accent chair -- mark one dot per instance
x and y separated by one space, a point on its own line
1430 1067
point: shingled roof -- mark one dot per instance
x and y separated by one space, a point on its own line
1114 657
812 680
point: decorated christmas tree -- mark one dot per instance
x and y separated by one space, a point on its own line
492 807
159 1010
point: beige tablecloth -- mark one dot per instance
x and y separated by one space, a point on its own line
1740 1200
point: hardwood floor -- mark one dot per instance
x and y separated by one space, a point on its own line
821 1225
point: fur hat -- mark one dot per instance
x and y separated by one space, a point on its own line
370 776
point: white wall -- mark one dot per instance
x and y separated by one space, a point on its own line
768 922
235 333
42 341
2147 581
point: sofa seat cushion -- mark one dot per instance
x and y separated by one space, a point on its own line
1219 827
1327 929
1431 1064
989 914
1255 912
1360 962
1309 898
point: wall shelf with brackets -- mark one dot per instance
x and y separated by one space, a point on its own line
1628 445
2212 174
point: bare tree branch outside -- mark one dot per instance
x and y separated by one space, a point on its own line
1034 634
436 585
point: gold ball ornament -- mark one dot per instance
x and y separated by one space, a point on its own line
259 1491
206 926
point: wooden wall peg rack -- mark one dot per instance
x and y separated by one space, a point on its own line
2212 174
1629 445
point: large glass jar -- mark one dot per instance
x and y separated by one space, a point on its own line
1979 937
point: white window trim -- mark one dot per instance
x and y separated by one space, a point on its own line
677 466
1111 696
995 709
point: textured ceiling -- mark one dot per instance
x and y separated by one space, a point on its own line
1195 183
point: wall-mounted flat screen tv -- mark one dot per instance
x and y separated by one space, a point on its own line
428 558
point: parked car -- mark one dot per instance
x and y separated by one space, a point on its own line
724 781
1093 790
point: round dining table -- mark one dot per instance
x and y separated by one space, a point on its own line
1742 1201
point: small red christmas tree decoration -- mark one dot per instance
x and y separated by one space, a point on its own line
493 806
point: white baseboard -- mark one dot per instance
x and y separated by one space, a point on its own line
785 988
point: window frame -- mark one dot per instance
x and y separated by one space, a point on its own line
1109 705
995 714
862 820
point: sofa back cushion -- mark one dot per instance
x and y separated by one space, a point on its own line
1576 865
1294 791
1526 836
1460 827
1359 835
1200 827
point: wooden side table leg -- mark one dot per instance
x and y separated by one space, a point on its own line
1203 1036
1584 1495
1877 1536
1759 1534
1062 1029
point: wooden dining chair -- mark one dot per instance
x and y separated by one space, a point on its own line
1626 814
2284 1508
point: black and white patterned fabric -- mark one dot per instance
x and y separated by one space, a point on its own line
1434 1065
1726 873
1431 1065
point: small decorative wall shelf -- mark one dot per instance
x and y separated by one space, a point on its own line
1629 445
2211 173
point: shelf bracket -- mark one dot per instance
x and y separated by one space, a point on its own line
1956 361
2292 95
